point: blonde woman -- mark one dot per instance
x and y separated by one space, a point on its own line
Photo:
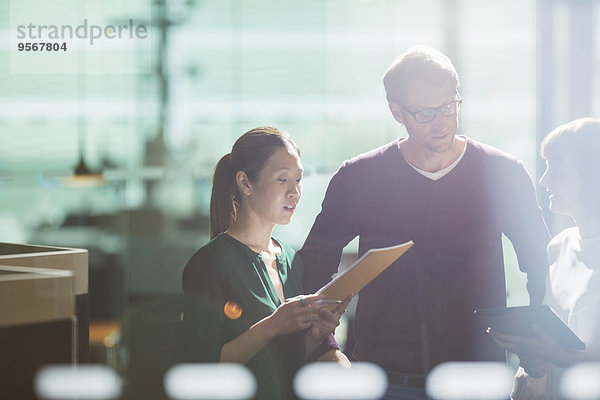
572 154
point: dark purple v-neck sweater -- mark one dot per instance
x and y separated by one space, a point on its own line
419 312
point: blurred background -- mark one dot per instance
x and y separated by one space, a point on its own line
213 69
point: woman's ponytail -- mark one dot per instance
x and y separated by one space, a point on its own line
222 199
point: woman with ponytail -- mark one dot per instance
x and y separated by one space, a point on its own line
248 303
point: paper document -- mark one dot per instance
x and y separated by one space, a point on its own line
363 271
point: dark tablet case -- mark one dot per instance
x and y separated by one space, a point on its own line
518 321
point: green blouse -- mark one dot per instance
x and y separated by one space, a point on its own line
225 277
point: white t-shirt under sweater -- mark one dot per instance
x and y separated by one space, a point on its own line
434 176
573 289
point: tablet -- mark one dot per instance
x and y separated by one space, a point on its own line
518 321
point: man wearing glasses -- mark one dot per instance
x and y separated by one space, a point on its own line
454 197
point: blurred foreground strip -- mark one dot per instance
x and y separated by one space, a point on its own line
82 382
209 381
329 381
469 381
581 382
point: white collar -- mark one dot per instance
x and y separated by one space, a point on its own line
434 176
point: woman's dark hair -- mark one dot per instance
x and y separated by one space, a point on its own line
249 153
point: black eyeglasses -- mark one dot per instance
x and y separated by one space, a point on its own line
428 114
